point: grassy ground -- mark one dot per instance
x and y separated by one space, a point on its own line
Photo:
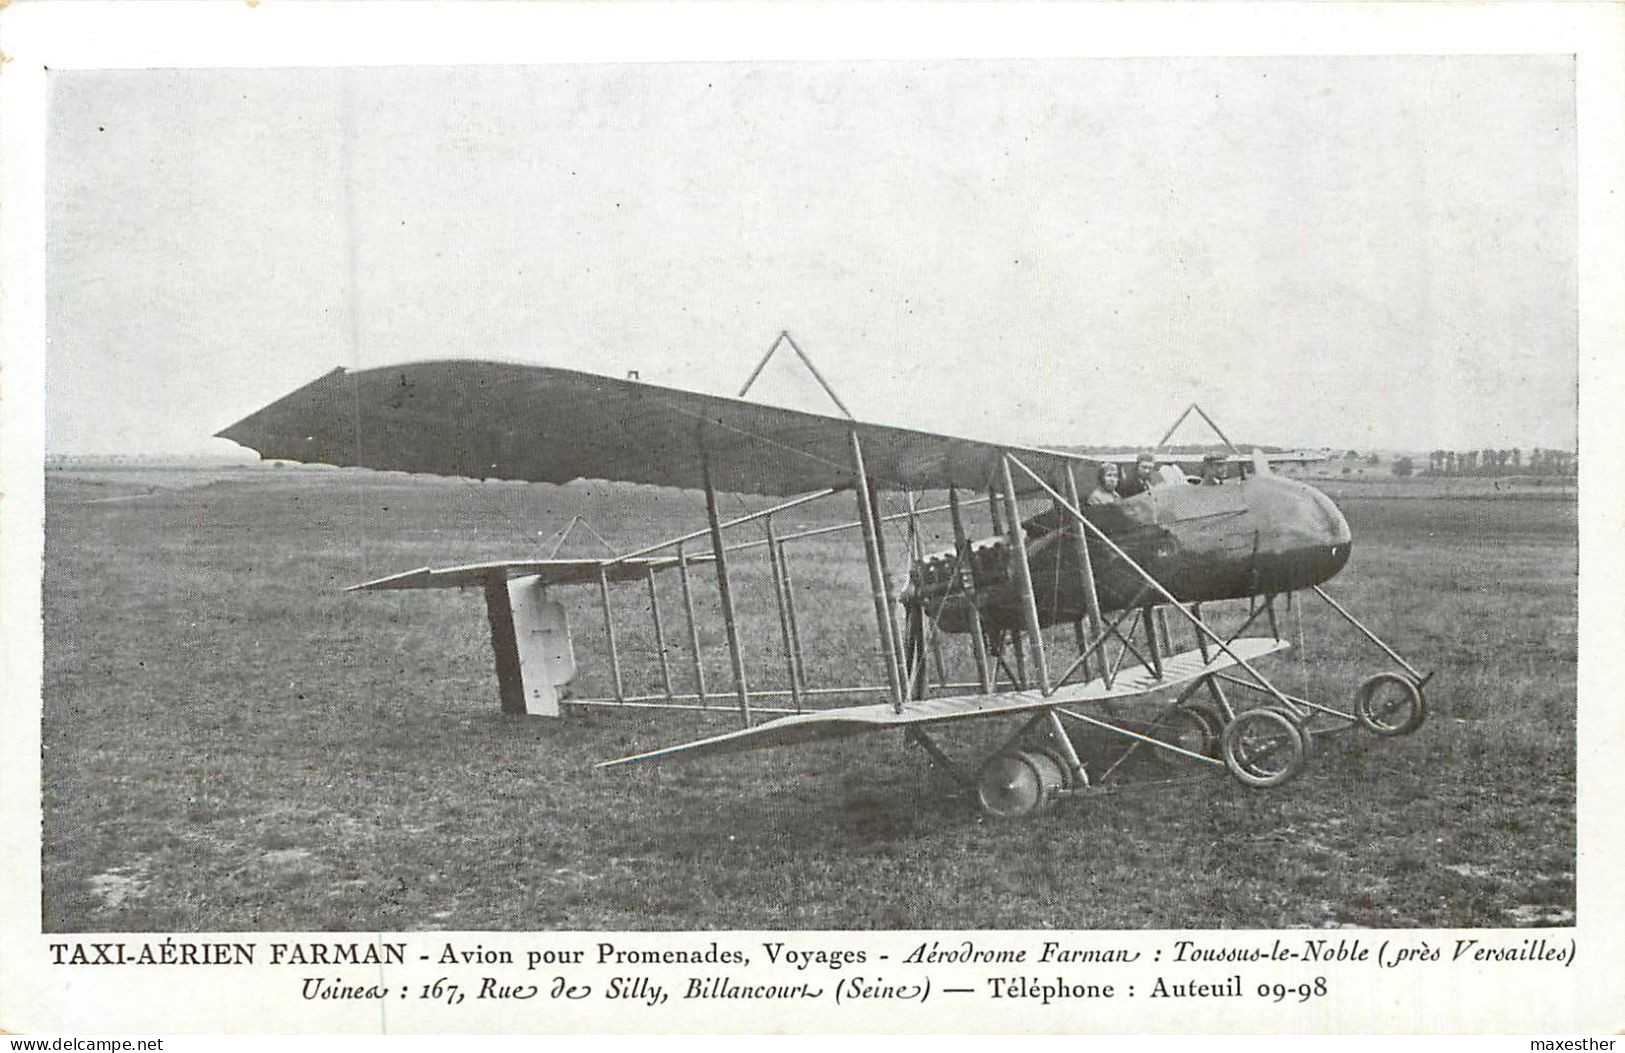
230 743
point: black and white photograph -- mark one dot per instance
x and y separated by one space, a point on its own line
909 501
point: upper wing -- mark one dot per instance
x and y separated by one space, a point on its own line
1188 457
492 420
855 720
551 571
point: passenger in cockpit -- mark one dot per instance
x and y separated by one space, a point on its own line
1105 491
1145 477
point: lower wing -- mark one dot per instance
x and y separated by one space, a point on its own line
856 720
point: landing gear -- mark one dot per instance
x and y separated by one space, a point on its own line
1390 704
1194 727
1264 747
1265 741
1020 783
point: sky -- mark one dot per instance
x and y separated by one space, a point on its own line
1349 252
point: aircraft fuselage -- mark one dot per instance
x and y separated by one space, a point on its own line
1264 534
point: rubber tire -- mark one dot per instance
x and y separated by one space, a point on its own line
1053 752
1198 722
1232 746
1365 697
1209 713
1018 784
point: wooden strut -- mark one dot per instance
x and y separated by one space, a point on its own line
1118 729
965 568
1420 679
837 527
1171 428
1304 702
729 619
1108 670
919 679
885 576
751 517
660 634
877 583
938 757
790 609
609 634
1189 690
919 683
1148 619
784 337
1181 420
1024 576
774 555
1086 572
693 626
1063 742
1214 688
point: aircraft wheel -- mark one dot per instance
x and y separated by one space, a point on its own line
1390 704
1053 752
1210 715
1019 784
1263 747
1189 729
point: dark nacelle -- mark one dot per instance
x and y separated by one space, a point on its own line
1265 534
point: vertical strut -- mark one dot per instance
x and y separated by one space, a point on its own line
1086 568
790 611
965 567
1214 688
877 582
609 634
1155 654
774 555
885 572
1063 742
1024 575
919 680
730 622
693 626
660 635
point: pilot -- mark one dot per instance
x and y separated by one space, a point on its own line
1213 470
1145 475
1105 491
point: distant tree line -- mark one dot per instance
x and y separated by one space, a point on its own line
1503 462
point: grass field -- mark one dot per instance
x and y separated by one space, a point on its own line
231 743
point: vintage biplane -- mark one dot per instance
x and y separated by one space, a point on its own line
1121 576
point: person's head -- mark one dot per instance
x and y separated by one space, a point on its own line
1145 467
1213 466
1107 475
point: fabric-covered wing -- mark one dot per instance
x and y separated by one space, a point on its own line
856 720
1189 457
492 420
551 571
